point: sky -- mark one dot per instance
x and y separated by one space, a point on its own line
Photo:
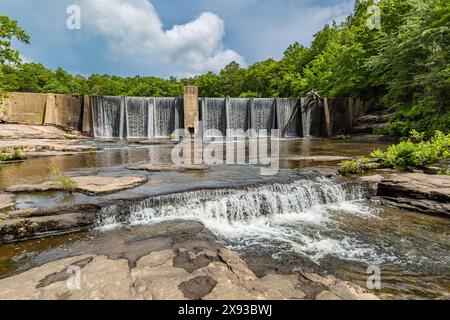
165 37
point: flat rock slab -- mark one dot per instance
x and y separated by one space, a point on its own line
416 185
94 185
6 200
429 194
44 145
319 158
169 167
21 131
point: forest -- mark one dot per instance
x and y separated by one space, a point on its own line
403 66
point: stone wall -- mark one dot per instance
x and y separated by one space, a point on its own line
24 108
64 111
43 109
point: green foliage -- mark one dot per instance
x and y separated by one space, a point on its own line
350 167
342 137
15 155
415 152
9 29
63 181
356 166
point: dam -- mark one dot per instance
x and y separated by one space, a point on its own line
155 117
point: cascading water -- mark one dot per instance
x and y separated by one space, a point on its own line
285 108
213 117
167 116
263 115
135 117
238 114
254 215
108 114
139 114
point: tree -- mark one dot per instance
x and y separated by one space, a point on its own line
9 29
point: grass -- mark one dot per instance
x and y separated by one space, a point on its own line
15 155
351 167
63 181
342 137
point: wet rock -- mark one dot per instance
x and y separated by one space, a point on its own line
418 192
35 227
190 261
94 185
169 167
198 287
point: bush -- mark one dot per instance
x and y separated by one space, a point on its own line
415 152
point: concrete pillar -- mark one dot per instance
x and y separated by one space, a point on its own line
190 112
326 111
50 116
87 115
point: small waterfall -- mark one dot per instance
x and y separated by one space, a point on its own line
167 116
213 116
285 108
225 207
108 114
263 115
238 114
137 110
306 119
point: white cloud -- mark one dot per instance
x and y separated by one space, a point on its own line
134 31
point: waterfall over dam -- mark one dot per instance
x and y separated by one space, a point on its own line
157 117
136 117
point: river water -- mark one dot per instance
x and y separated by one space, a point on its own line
291 219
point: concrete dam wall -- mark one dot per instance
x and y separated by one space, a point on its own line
153 117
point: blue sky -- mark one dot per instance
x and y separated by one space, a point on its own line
167 37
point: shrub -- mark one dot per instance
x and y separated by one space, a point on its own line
415 152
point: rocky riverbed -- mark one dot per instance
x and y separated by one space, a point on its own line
176 260
220 232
